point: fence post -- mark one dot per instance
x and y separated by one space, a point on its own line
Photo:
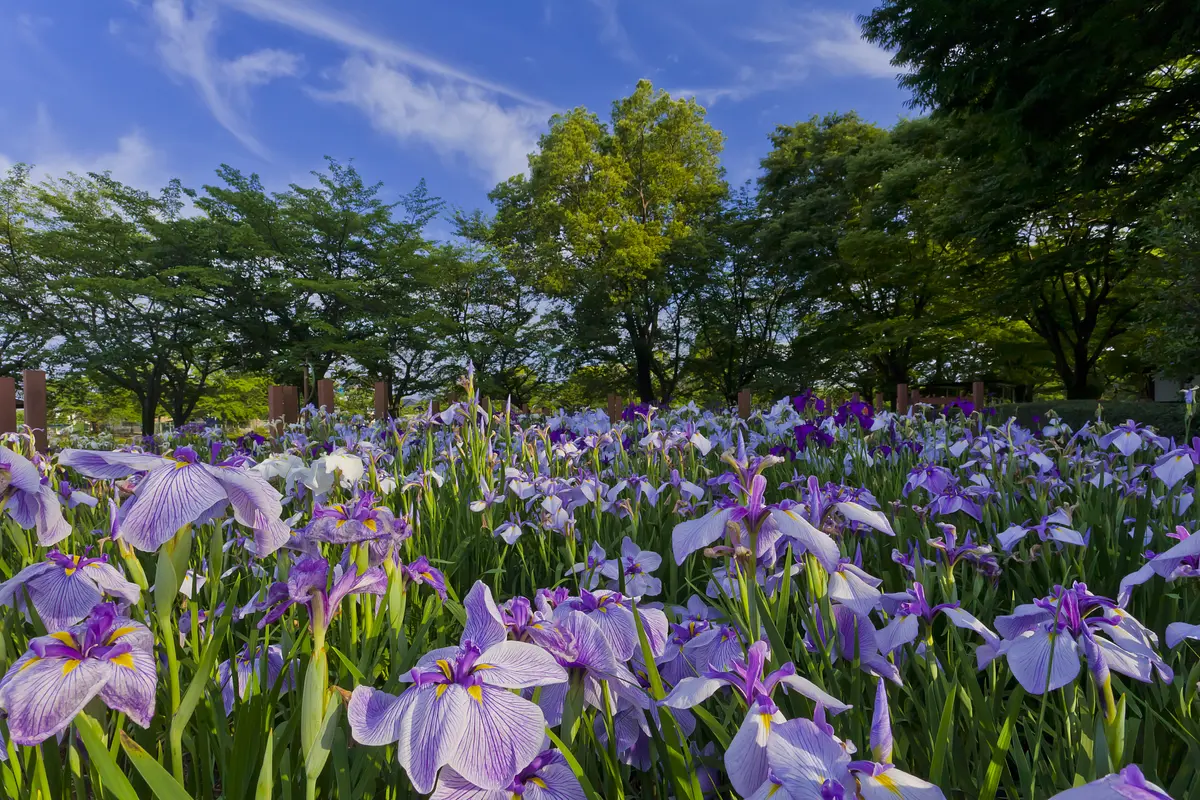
901 398
35 406
915 397
879 401
436 407
744 404
614 409
291 404
978 396
325 395
275 410
8 405
854 398
382 400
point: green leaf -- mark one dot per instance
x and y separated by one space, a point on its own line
266 776
573 763
314 759
991 780
943 738
92 736
160 781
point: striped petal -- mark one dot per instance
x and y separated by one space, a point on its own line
110 465
519 665
1038 657
131 687
430 732
63 599
43 696
502 733
167 500
375 716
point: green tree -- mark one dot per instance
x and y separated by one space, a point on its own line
22 344
601 216
1170 319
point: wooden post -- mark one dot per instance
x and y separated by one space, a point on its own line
901 398
8 405
614 409
325 396
291 404
744 404
879 401
978 396
854 398
436 406
382 400
275 410
35 406
915 397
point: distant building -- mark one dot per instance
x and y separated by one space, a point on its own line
1169 391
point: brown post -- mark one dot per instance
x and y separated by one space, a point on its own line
901 398
35 406
275 409
915 397
8 405
978 397
437 406
878 401
291 404
382 400
854 398
524 408
744 404
325 396
614 408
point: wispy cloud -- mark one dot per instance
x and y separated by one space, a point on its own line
316 21
613 33
793 45
456 120
185 45
132 159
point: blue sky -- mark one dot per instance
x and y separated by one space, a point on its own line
454 92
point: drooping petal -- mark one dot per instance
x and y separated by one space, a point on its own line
815 693
691 692
1128 784
696 534
430 732
881 726
110 581
1038 656
1178 631
49 522
866 516
502 733
557 782
746 758
131 687
375 716
63 599
485 627
1135 578
41 696
167 500
519 665
803 758
890 783
1166 563
897 633
109 465
814 541
851 591
452 786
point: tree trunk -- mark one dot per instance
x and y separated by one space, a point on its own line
149 412
643 357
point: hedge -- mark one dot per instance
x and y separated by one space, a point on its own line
1166 418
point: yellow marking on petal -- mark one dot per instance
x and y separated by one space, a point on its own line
427 575
70 665
32 660
444 666
603 609
538 782
766 722
775 787
886 782
181 464
119 632
441 689
483 666
95 563
65 637
476 693
340 523
69 571
371 526
124 660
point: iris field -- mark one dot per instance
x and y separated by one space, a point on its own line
822 602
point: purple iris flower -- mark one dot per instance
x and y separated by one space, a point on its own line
459 712
1053 527
746 758
348 523
615 618
931 478
957 498
636 564
248 666
853 637
1180 561
422 573
879 778
1044 640
1175 466
980 555
181 490
65 589
808 432
910 610
73 497
30 502
548 777
107 655
306 585
592 568
1129 437
1128 784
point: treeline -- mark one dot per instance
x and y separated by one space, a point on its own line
978 241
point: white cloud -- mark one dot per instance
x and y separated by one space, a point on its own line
791 46
454 118
311 19
186 47
613 33
133 160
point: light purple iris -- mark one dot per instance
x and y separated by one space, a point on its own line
910 610
107 655
248 665
348 523
1043 642
548 777
592 568
636 564
422 573
615 618
181 490
953 499
30 502
1180 561
65 589
459 712
1053 527
746 758
1128 784
306 585
952 551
